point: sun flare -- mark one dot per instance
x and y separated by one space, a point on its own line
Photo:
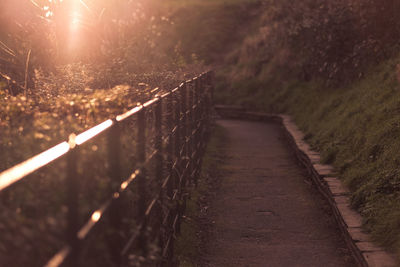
75 19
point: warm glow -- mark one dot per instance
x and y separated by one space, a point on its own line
19 171
96 216
75 19
85 136
58 259
129 113
165 95
124 185
148 103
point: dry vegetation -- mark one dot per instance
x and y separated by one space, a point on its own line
50 76
61 75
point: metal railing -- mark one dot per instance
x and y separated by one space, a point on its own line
167 163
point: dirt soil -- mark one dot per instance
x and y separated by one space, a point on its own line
266 211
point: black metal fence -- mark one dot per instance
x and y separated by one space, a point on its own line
166 155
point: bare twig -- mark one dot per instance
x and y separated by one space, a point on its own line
6 49
10 82
26 71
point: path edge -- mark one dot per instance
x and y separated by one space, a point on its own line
365 252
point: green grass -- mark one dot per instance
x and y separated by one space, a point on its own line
356 128
191 240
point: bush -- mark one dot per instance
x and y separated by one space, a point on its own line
332 41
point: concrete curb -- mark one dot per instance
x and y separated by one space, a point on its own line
350 222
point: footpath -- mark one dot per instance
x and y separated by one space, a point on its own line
266 212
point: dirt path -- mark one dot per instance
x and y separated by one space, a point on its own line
266 213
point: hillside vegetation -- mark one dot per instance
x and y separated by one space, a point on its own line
334 68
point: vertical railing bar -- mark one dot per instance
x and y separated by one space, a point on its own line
159 170
197 124
190 132
141 180
158 140
178 144
184 126
208 88
171 182
72 186
184 145
203 117
114 162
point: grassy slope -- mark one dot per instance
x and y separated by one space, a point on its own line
356 128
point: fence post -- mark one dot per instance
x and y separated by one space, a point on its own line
191 143
158 141
209 94
113 151
203 117
159 164
184 151
184 132
141 179
170 146
169 234
212 80
72 187
207 102
197 119
178 160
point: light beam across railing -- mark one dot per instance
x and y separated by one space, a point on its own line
21 170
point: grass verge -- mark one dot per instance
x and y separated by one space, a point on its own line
356 129
197 221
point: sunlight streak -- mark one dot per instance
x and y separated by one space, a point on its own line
84 4
85 136
58 259
129 113
19 171
96 216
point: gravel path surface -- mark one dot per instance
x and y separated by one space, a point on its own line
266 212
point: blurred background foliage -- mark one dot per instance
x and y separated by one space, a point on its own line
105 36
335 42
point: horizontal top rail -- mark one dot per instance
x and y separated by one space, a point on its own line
23 169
